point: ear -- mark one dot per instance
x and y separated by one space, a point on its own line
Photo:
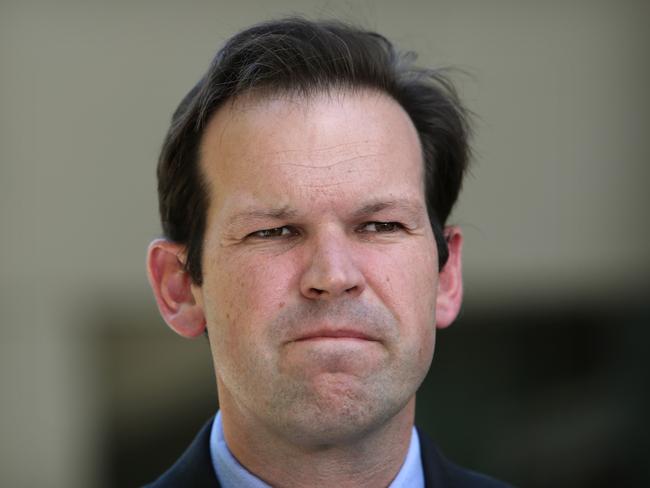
450 281
172 287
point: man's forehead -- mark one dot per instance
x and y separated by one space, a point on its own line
252 116
334 145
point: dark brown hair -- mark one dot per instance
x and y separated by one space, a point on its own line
299 56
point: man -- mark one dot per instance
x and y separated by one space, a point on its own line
304 185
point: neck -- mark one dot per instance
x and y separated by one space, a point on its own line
373 458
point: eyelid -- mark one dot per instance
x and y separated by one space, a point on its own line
393 227
398 226
257 234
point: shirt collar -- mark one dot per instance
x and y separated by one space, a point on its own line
231 474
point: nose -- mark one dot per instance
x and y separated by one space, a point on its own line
331 270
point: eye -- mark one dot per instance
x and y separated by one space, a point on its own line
381 227
284 231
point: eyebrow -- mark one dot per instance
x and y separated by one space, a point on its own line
254 213
412 207
251 214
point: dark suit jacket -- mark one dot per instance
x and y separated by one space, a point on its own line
194 468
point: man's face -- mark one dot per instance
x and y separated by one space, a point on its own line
319 263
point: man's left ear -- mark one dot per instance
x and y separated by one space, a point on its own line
450 280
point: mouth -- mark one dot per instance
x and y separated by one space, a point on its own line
340 334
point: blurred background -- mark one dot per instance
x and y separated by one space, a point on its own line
543 381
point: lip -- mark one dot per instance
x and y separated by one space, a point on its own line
335 334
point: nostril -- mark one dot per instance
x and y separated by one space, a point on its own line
330 275
320 292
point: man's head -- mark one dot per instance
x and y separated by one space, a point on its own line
295 56
304 186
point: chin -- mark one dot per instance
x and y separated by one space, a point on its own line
337 411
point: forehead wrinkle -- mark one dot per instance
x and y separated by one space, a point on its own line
341 145
319 154
328 166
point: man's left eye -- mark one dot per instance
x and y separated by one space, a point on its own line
381 227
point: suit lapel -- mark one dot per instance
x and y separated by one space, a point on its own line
194 468
432 463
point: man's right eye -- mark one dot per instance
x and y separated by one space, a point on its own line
283 231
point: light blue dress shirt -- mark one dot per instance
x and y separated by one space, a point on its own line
231 474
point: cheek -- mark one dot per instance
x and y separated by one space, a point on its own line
406 281
244 295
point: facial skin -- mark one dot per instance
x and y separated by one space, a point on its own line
321 290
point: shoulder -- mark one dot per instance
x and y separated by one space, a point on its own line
194 468
440 472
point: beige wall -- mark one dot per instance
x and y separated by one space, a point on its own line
556 204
